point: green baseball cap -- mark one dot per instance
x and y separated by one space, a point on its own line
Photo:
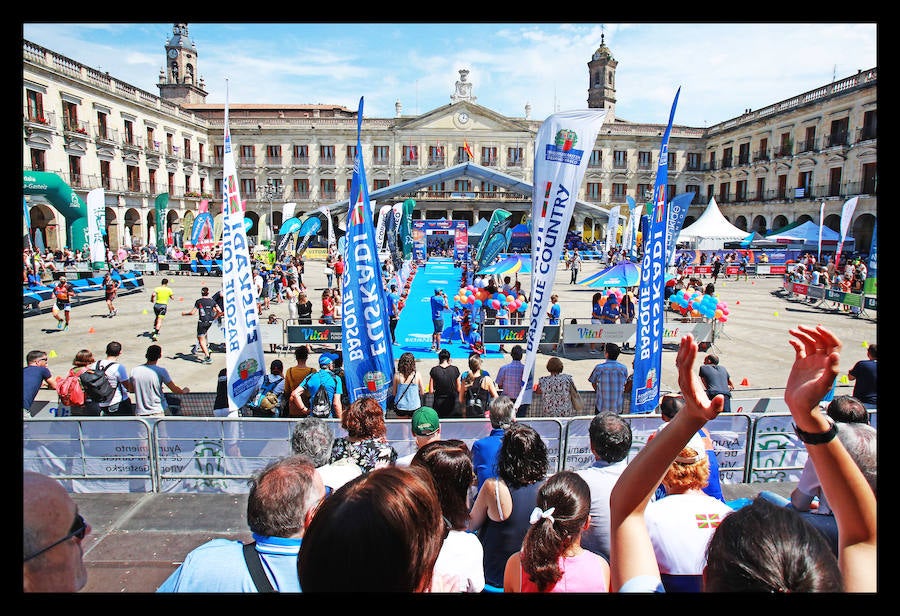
425 421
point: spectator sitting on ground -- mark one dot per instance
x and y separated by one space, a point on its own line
283 498
312 437
461 561
379 533
611 438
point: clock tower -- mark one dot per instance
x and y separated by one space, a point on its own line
602 80
180 83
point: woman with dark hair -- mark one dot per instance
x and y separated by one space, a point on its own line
596 316
504 503
380 532
460 563
552 559
366 441
443 381
407 387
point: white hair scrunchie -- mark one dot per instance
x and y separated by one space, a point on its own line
537 514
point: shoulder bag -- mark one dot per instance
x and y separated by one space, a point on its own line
251 556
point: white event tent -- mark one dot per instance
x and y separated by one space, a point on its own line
711 230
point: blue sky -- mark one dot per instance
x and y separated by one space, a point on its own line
722 68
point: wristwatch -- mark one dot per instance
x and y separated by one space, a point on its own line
817 438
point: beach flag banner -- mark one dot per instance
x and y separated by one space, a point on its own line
244 359
821 224
870 284
651 308
404 232
611 224
160 205
381 226
367 349
562 149
846 216
628 235
678 208
96 227
494 240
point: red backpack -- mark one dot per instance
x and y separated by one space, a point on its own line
70 391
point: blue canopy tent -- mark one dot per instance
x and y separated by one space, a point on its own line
622 274
808 233
521 238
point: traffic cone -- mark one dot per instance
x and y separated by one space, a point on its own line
51 354
91 331
843 380
776 313
865 344
738 302
180 299
145 311
745 383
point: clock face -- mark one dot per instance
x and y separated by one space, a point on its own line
463 117
173 53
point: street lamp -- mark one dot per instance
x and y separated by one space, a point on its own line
271 192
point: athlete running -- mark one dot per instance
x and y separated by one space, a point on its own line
160 299
209 312
111 287
62 292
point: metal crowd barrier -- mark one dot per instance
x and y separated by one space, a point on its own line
219 455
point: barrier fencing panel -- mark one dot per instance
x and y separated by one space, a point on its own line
220 455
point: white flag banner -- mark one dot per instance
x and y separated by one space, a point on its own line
287 211
96 228
846 216
383 214
245 362
612 226
821 224
562 148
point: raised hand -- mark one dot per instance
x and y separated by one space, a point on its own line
815 367
697 403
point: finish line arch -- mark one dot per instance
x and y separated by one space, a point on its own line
61 196
459 229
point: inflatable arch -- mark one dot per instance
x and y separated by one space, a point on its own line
61 196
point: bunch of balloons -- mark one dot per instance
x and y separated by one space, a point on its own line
696 304
613 292
476 296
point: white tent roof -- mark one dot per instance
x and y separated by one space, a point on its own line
711 230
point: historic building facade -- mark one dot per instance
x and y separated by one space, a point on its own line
766 168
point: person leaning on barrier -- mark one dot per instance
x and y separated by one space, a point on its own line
283 498
502 414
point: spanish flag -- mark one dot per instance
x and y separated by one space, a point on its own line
468 150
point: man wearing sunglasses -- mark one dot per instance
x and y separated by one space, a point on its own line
52 532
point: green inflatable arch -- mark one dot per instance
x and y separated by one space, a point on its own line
60 194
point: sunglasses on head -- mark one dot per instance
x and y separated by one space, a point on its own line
78 529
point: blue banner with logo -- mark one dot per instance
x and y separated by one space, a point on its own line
651 308
367 350
678 208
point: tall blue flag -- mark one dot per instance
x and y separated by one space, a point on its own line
678 208
366 344
651 308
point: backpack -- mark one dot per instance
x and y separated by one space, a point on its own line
476 399
96 385
266 402
320 406
70 390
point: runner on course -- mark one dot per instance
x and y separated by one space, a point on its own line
209 312
160 299
62 293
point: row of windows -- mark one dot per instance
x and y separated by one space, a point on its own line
840 135
105 132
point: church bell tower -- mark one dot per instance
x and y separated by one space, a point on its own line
180 82
602 80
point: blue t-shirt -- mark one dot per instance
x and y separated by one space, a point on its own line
610 312
555 311
437 307
323 378
393 300
32 377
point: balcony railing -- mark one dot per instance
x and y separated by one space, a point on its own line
620 164
866 133
839 139
133 143
761 155
247 161
436 161
300 161
806 146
